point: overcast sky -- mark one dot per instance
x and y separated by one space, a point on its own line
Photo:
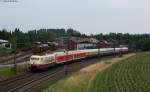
86 16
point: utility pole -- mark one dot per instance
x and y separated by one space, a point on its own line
15 64
65 69
115 53
13 40
99 55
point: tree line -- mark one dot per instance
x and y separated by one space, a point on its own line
42 35
133 41
138 42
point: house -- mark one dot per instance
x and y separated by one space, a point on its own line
109 44
62 41
5 44
84 43
77 43
103 44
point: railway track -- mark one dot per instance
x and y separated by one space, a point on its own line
15 78
35 82
13 83
29 85
19 58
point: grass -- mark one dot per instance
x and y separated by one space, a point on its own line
9 71
87 79
5 72
132 75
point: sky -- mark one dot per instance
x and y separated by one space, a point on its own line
86 16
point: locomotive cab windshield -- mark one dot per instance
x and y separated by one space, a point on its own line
34 58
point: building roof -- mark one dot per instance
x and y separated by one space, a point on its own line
52 43
83 40
3 41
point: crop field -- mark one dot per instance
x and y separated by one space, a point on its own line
131 75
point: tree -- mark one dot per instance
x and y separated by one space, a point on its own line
72 32
45 36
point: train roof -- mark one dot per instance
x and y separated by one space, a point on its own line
78 51
42 55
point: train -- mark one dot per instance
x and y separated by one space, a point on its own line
38 62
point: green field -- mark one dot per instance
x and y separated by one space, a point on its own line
133 75
129 75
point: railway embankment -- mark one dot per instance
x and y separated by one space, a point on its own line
81 80
7 71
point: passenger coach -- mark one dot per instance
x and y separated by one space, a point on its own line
49 60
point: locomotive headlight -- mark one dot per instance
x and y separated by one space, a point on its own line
41 59
33 62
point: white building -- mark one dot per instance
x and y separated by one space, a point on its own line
5 44
84 43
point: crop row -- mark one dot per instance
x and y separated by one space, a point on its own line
131 75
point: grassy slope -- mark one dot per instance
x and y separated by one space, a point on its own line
8 71
133 75
5 72
81 81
